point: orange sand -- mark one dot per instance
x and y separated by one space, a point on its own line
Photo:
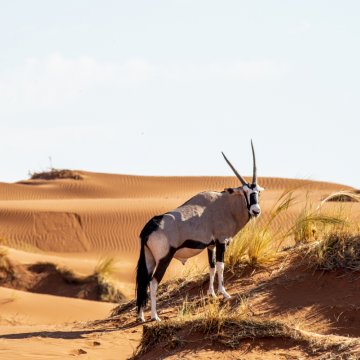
74 223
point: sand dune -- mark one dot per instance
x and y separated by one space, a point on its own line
74 223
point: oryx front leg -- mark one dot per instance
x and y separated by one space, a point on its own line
220 252
212 271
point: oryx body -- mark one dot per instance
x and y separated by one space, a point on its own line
208 220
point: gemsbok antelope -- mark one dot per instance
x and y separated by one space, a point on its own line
208 220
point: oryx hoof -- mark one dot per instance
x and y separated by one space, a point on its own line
226 295
212 294
155 318
140 319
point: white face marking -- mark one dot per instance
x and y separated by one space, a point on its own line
255 207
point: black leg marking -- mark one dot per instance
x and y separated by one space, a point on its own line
193 244
220 251
211 257
163 264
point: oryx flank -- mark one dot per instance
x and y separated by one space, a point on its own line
208 220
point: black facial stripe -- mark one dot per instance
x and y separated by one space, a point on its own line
254 199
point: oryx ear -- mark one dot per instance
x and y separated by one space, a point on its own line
259 188
230 190
233 190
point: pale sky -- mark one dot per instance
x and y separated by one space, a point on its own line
162 87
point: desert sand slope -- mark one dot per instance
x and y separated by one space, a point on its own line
74 223
320 310
46 342
28 308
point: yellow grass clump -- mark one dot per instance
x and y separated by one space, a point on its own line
105 267
103 273
313 224
336 251
257 244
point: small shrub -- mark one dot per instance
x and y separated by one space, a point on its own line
336 251
54 174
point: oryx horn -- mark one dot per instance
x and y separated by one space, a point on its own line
254 165
234 170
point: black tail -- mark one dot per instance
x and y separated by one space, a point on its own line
142 279
142 275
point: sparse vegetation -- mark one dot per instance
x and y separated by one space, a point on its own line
226 326
253 246
54 174
336 251
7 273
103 274
312 224
257 243
343 196
105 267
49 278
4 261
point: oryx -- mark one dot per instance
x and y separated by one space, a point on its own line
208 220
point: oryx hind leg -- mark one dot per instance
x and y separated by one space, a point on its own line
155 281
163 253
220 254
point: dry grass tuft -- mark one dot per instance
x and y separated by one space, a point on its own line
258 244
336 251
103 273
214 321
4 261
105 267
343 196
7 273
253 246
219 323
54 174
312 224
